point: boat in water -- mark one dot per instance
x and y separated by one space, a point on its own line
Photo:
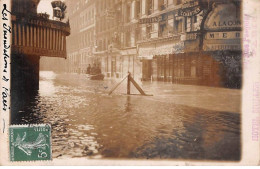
96 77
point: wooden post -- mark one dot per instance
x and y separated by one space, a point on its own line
128 83
136 85
129 80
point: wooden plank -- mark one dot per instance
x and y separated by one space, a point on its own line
128 84
136 85
114 88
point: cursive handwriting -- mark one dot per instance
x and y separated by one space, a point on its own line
7 30
4 98
5 13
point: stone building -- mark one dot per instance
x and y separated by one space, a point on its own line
177 41
191 42
80 44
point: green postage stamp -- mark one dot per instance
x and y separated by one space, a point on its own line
30 142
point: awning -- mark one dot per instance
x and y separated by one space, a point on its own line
160 49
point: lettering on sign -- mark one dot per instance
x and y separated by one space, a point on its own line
190 4
150 20
223 17
191 36
213 47
223 35
228 23
189 12
38 51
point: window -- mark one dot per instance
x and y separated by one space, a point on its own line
195 19
127 39
137 35
138 9
148 31
150 6
178 26
128 13
162 4
163 30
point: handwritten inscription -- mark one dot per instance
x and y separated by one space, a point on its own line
6 59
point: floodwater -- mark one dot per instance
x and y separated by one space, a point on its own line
87 122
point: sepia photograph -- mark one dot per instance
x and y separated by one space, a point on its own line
126 80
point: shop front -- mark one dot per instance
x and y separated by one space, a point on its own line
222 42
157 60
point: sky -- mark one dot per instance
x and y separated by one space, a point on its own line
45 6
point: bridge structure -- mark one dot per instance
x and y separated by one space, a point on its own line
33 35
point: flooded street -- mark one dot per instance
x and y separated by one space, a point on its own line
87 122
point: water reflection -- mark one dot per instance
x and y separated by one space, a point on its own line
86 122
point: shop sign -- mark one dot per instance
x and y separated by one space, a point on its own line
215 47
191 36
163 49
222 41
189 12
150 20
223 35
223 16
190 4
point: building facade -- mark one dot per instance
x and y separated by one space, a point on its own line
191 42
178 41
80 44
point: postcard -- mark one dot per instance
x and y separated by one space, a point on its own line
130 82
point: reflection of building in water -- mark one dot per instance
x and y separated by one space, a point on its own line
178 41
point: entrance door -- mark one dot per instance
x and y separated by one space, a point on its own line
147 70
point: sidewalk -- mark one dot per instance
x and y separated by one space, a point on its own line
211 98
